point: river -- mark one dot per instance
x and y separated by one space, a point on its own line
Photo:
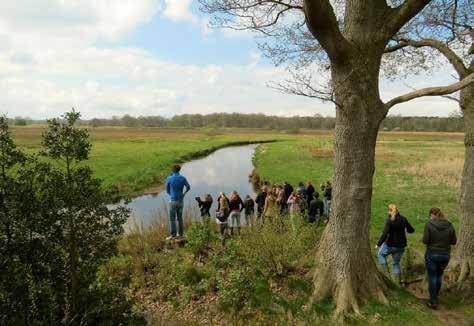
226 169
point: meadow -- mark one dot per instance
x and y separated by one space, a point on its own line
413 170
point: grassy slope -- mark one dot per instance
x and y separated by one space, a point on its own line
414 171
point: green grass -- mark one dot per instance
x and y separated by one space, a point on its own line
132 159
416 172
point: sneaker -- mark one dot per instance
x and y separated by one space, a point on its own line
171 237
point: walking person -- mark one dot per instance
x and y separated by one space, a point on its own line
316 209
327 198
302 188
393 241
175 184
236 205
222 215
205 205
249 210
288 189
260 201
439 235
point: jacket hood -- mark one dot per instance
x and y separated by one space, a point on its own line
440 224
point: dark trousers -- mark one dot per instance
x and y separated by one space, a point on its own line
435 263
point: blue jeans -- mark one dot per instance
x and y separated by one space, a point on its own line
176 213
327 207
435 263
396 253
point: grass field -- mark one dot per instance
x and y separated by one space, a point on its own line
413 170
133 159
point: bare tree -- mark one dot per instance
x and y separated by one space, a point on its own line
447 29
349 38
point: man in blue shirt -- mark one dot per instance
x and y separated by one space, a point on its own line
175 184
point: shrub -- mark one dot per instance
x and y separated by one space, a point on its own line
199 237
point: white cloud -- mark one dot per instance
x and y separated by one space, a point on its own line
179 10
49 62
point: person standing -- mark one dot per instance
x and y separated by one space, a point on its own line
316 209
175 184
236 205
281 199
439 235
222 215
249 206
260 201
327 198
288 189
309 192
393 241
270 209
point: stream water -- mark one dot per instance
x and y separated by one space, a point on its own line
226 169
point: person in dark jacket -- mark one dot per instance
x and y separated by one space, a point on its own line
316 209
249 210
205 205
309 192
327 194
439 235
393 241
260 201
288 189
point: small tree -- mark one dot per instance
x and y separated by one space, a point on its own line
89 227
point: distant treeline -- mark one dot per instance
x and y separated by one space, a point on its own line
240 120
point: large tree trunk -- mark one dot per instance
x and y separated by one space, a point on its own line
464 258
345 268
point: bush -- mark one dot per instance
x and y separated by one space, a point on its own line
199 237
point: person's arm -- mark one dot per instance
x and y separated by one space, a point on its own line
426 235
384 235
241 203
409 228
168 187
187 186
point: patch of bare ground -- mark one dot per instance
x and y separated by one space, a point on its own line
319 151
447 171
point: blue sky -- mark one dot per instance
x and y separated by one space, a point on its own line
148 57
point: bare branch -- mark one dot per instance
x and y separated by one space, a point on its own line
453 58
452 98
323 24
402 14
431 91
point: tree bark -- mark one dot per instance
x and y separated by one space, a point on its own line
464 258
345 268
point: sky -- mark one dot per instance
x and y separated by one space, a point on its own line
149 57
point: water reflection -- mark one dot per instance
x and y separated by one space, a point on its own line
225 170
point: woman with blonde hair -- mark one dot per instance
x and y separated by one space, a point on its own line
236 205
393 241
439 236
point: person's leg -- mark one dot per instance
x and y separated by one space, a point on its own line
325 202
172 218
382 255
442 262
179 216
329 209
237 221
431 268
397 254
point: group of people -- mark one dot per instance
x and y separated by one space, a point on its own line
438 236
281 200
